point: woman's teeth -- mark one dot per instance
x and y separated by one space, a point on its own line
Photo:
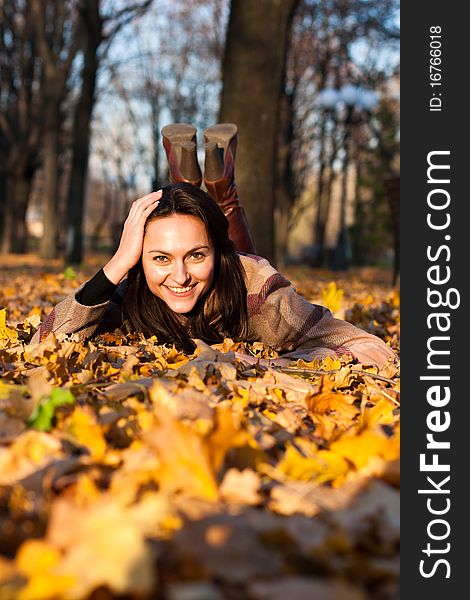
180 290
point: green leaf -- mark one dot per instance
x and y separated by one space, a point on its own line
69 273
43 415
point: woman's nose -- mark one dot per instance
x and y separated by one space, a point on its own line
180 273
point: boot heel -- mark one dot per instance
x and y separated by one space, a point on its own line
213 162
179 141
221 134
189 167
177 133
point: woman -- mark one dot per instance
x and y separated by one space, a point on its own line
185 279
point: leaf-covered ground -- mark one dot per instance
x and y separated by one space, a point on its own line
129 470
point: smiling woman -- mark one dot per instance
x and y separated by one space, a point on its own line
186 280
181 270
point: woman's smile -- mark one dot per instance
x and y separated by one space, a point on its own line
181 291
178 260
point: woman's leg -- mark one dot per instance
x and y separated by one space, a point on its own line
220 147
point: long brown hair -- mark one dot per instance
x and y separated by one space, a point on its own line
222 312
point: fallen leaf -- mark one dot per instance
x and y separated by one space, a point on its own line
241 487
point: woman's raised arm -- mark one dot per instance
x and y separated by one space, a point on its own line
82 312
132 238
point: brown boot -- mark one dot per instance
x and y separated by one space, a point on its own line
179 141
220 147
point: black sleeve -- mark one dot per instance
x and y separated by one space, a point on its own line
96 291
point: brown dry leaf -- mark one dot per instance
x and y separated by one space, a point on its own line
39 384
182 401
103 544
310 499
140 466
194 590
304 588
227 434
120 391
294 389
30 451
10 427
337 404
290 500
241 487
374 517
184 458
325 426
206 357
287 418
10 389
178 442
226 548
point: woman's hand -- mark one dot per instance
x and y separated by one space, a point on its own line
132 238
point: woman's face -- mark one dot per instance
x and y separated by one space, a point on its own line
178 260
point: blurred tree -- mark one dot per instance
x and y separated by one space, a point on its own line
326 35
253 81
20 123
99 26
177 82
377 221
57 35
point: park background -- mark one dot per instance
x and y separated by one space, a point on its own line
86 88
220 480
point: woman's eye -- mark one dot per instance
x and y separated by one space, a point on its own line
197 256
160 259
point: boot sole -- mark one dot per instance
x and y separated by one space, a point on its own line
177 134
221 134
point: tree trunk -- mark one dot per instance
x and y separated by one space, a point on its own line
392 190
253 79
15 235
3 202
284 188
319 258
156 180
80 153
48 246
358 229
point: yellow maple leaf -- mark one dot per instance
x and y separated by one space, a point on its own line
10 388
83 428
329 402
7 334
379 414
227 434
332 296
360 449
324 466
330 363
38 560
